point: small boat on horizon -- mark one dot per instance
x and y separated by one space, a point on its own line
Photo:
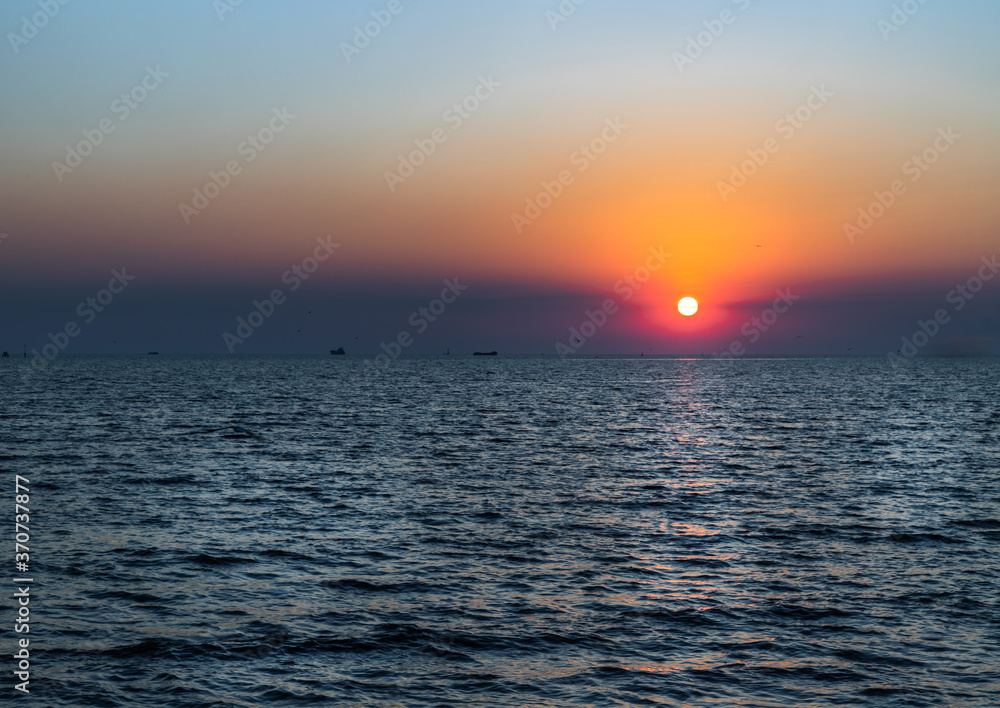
484 353
339 351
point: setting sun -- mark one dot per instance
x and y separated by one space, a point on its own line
687 306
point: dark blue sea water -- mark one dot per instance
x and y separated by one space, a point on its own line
508 532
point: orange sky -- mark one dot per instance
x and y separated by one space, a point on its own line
514 104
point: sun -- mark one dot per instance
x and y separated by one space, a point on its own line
687 306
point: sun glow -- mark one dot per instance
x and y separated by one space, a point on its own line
687 306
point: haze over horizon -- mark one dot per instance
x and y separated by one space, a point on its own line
830 170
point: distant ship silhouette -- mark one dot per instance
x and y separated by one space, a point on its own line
484 353
338 352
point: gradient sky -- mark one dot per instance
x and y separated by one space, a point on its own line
886 95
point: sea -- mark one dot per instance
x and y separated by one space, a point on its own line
503 532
